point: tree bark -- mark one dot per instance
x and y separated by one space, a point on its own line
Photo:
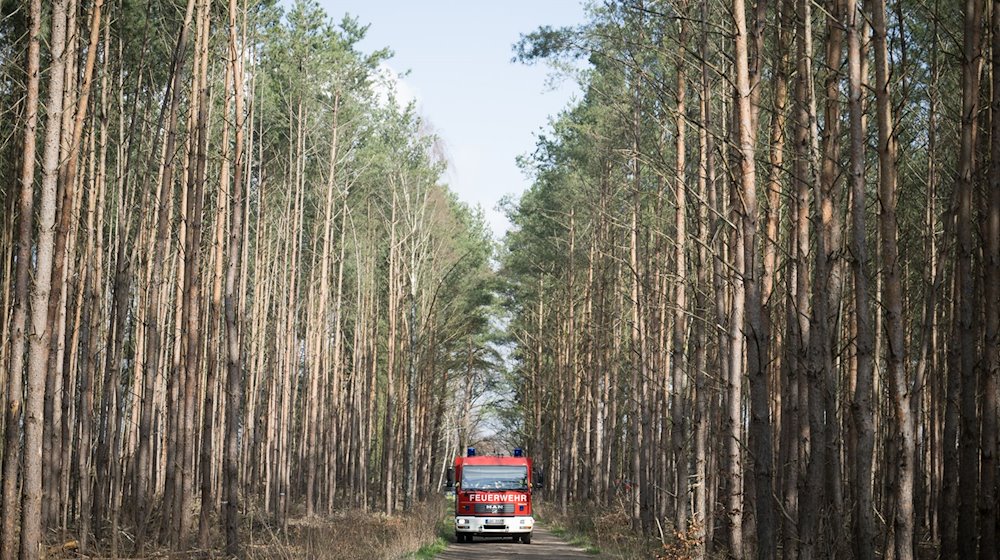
234 369
861 406
892 294
991 255
39 331
748 287
677 361
702 420
968 459
15 374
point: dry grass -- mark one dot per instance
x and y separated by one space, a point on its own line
609 530
348 536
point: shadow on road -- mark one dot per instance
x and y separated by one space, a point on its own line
544 546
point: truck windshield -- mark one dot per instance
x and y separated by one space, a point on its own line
489 477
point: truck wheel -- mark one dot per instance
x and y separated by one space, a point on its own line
460 537
526 539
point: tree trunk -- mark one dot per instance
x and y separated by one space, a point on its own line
15 374
968 459
234 369
191 294
991 266
678 432
215 345
700 515
861 406
829 270
39 331
807 437
892 294
748 287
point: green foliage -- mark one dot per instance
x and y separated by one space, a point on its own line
544 43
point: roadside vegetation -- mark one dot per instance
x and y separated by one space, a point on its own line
352 536
608 533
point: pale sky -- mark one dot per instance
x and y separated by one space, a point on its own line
486 109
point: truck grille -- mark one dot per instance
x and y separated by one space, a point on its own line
494 508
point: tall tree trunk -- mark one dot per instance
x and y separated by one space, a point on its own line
991 267
748 287
636 334
968 460
321 346
700 515
991 344
215 345
678 432
191 295
829 270
892 293
39 331
92 320
861 406
771 241
15 374
389 422
234 369
810 484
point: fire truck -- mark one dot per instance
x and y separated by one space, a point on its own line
493 496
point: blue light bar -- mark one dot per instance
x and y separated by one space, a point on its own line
470 452
518 452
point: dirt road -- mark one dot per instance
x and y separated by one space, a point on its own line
544 546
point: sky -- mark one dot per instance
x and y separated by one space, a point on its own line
485 109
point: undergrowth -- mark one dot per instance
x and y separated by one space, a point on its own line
349 535
445 533
353 535
608 531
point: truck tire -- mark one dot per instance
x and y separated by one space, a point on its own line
526 538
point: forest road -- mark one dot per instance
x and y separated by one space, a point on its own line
544 546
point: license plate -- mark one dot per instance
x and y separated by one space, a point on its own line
495 522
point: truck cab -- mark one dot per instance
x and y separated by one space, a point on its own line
492 496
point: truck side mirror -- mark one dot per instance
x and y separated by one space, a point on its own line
539 478
450 479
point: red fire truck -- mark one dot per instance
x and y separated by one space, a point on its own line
493 496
